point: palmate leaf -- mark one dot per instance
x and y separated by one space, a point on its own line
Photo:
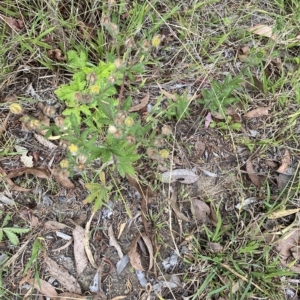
1 234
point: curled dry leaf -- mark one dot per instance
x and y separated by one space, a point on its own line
12 184
56 54
283 213
179 175
214 247
45 142
43 287
71 296
167 94
14 24
200 148
62 276
263 30
286 247
257 112
141 105
201 211
174 205
87 243
61 176
134 256
53 225
39 172
252 174
79 251
113 242
149 246
285 161
243 53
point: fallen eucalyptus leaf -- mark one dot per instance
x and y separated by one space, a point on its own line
179 175
62 276
79 250
257 112
282 213
263 30
43 287
285 161
201 211
141 105
252 174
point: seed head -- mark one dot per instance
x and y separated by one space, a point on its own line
159 142
118 63
156 40
120 117
118 134
49 111
15 108
130 139
166 130
112 129
164 153
91 78
81 159
129 122
64 164
73 149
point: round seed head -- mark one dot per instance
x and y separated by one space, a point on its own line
15 108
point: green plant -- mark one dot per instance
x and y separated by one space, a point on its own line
11 232
219 96
179 108
96 124
33 261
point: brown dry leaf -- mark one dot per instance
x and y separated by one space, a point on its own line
244 53
174 205
214 247
145 193
134 256
254 84
14 24
286 245
141 105
39 172
61 176
121 229
282 213
56 54
4 124
252 174
199 147
87 243
79 251
113 242
12 184
201 211
285 161
43 287
263 30
149 246
71 296
257 112
44 141
167 94
53 225
10 98
62 276
119 297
